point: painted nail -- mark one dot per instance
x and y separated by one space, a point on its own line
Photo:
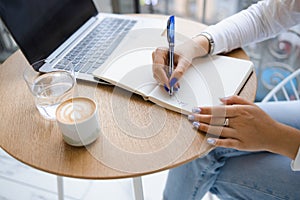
166 88
191 117
224 98
196 125
175 89
173 82
211 141
196 110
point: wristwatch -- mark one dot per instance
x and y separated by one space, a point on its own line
210 41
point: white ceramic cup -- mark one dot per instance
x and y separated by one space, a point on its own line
78 121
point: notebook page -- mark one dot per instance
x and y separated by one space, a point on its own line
208 79
132 71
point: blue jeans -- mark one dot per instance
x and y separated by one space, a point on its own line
233 174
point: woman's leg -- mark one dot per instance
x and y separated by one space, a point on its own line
194 179
260 175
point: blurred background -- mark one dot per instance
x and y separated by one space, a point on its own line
274 59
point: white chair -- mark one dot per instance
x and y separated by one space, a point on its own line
287 90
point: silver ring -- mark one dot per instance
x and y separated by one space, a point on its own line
226 122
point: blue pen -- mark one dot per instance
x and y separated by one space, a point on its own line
171 41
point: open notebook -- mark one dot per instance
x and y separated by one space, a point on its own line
205 81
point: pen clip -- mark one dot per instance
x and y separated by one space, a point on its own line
171 29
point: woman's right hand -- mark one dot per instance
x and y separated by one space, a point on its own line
183 56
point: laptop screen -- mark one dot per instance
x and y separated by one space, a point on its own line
41 26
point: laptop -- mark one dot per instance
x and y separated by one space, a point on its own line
57 30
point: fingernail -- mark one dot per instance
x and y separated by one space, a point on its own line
196 125
211 141
175 89
173 82
166 88
196 110
191 117
224 98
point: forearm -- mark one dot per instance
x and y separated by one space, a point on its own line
192 48
238 30
285 141
258 22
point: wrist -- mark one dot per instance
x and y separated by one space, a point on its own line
190 50
286 141
205 42
198 46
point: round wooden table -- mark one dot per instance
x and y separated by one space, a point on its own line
137 137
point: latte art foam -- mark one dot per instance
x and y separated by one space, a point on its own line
75 110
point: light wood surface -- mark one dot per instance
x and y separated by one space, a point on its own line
137 137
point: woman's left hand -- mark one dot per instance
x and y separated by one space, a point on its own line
249 128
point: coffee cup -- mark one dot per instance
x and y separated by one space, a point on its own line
78 121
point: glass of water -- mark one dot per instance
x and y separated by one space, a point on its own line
50 89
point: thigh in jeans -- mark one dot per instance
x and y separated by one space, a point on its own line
260 175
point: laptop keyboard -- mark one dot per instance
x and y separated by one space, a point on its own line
95 48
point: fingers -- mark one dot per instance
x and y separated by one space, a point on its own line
223 134
234 106
181 66
160 75
220 111
159 58
209 119
227 142
219 131
231 100
160 66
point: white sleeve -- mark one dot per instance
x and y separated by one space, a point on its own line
260 21
295 164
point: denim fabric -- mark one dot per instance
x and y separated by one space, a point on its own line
233 174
